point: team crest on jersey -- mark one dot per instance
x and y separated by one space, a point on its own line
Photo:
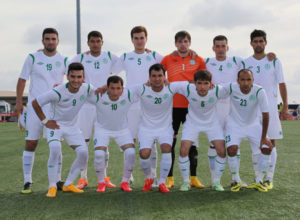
213 64
82 97
166 96
131 58
123 102
211 100
105 103
58 64
229 65
192 62
149 96
267 66
65 100
252 98
40 63
194 100
105 61
88 61
236 97
148 58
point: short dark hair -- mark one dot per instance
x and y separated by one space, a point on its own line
138 29
114 79
181 35
75 66
203 75
157 67
49 31
244 70
258 33
219 38
94 34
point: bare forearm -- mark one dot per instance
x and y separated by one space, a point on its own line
283 94
265 124
38 110
20 90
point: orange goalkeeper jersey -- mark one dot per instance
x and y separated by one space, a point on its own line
181 69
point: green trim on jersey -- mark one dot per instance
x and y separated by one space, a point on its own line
109 55
274 62
128 148
65 61
217 91
234 60
89 88
244 65
124 56
53 140
144 88
230 91
129 96
170 89
258 91
188 90
154 55
67 85
32 58
59 95
207 60
98 97
100 149
81 58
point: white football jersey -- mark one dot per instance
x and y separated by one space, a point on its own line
244 108
44 72
112 115
267 74
98 69
64 104
137 66
223 71
156 107
202 109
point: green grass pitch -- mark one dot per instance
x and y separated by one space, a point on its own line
283 202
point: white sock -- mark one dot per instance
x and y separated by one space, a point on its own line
263 165
255 161
153 157
84 171
238 156
59 167
28 160
234 168
272 165
99 164
54 154
219 169
129 162
165 166
106 160
146 167
184 166
212 153
78 164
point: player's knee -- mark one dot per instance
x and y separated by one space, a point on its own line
145 153
232 151
31 145
266 150
166 148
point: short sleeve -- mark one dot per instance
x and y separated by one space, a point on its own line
135 92
117 64
202 65
180 87
278 71
222 91
50 96
27 67
262 100
158 57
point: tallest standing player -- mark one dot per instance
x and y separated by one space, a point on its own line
269 75
45 69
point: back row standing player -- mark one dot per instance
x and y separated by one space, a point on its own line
268 74
45 68
98 66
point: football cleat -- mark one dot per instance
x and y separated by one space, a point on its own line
195 182
72 188
125 187
258 186
170 182
185 187
108 183
101 187
27 188
218 187
51 192
163 188
236 187
82 183
268 184
147 186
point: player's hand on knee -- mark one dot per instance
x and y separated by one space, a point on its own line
52 124
266 141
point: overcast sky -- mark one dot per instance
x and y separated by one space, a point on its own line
22 23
